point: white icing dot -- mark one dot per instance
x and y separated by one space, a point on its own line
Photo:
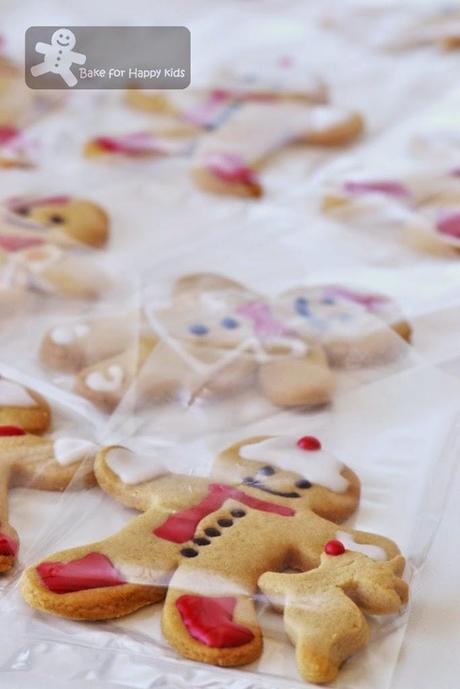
70 450
317 466
373 551
65 334
105 381
14 395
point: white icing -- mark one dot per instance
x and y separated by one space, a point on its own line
14 395
317 466
65 334
105 381
323 117
134 467
373 551
70 450
144 458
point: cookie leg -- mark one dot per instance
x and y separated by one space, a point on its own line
215 629
292 381
107 579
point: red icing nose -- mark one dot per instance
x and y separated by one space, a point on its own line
210 621
92 571
309 442
8 546
334 548
11 430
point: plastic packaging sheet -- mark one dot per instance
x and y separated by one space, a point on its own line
380 406
375 429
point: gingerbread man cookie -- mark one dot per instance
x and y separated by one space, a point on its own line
425 205
26 459
273 503
217 337
39 243
236 128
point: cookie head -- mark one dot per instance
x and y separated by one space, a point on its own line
61 219
294 471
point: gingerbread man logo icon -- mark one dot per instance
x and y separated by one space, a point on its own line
59 56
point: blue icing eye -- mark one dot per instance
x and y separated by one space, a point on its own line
301 306
229 323
198 329
328 300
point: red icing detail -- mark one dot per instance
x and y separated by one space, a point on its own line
7 133
210 621
17 202
8 546
386 187
449 224
370 301
89 572
181 526
309 442
11 430
205 114
17 242
131 144
334 548
231 168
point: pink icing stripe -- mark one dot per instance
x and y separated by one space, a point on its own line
131 144
205 114
17 202
370 301
263 321
7 133
387 187
449 224
17 242
231 168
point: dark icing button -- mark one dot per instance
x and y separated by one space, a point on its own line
225 522
249 480
189 552
201 541
56 219
303 483
212 532
266 471
238 513
23 210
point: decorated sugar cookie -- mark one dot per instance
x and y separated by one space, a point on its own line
40 240
26 459
231 131
217 337
204 545
60 219
424 205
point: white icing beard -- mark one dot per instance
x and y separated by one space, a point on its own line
66 334
373 551
14 395
105 381
70 450
317 466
